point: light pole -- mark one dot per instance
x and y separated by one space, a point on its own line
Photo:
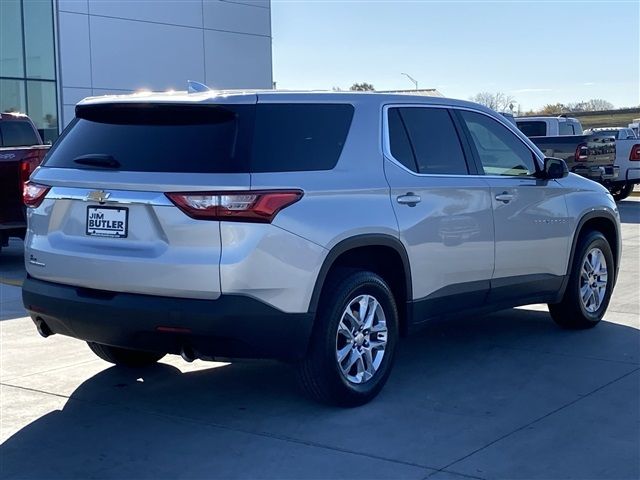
415 82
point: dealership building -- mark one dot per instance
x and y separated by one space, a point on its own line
53 53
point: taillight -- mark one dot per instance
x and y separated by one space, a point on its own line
33 194
249 206
634 155
27 165
582 152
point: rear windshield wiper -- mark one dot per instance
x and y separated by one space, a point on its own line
97 160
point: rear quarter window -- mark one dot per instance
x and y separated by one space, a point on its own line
299 137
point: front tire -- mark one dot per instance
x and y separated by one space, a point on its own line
124 356
354 340
590 284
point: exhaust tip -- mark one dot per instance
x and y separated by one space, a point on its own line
187 354
43 328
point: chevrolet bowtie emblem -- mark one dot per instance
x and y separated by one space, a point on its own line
99 196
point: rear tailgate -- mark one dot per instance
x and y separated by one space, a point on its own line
108 225
601 149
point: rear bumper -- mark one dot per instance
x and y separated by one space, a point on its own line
606 173
632 176
232 326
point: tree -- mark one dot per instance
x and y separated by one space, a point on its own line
498 101
554 109
361 87
598 104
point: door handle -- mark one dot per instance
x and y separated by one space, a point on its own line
409 198
504 197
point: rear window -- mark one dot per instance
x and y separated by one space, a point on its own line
566 128
16 133
532 128
206 138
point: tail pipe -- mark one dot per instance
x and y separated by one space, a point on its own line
43 328
187 353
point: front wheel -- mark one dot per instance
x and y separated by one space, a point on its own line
590 284
124 356
354 340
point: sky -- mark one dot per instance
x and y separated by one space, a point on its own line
538 52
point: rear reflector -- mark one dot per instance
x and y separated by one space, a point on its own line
249 206
33 194
634 155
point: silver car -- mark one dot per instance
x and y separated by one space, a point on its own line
316 228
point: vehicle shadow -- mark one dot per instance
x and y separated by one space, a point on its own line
457 386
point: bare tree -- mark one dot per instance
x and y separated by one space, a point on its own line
498 101
598 104
361 87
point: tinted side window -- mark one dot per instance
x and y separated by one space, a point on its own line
500 151
299 137
532 128
399 141
566 128
17 134
434 140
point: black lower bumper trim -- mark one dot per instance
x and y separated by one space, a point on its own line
232 326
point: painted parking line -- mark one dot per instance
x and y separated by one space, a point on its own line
14 282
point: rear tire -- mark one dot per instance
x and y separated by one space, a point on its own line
350 359
124 356
622 192
590 284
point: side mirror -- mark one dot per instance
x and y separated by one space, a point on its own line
555 168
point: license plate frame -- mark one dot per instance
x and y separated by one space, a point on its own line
108 231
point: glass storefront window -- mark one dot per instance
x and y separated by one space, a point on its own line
27 63
12 96
11 54
38 39
42 108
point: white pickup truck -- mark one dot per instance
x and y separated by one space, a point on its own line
627 158
549 126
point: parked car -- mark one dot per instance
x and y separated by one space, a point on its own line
627 159
314 228
619 133
21 151
549 126
591 156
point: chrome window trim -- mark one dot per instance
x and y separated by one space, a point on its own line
386 143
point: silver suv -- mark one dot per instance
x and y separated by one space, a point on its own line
315 228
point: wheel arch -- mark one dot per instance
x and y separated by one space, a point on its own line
602 221
358 248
